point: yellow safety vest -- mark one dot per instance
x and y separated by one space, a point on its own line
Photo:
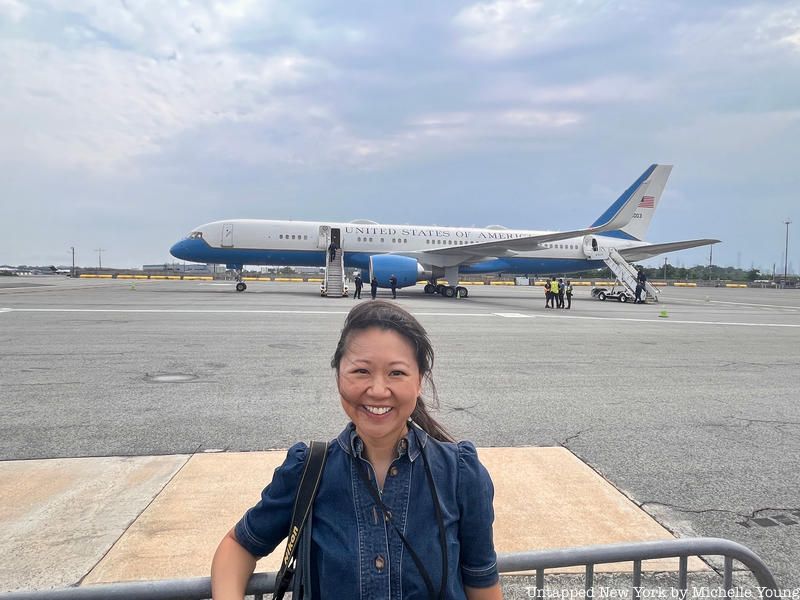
554 287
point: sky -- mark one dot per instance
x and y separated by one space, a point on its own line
125 124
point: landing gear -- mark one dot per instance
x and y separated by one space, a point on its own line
446 291
240 285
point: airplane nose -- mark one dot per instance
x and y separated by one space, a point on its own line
178 249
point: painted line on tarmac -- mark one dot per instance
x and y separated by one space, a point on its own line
176 311
427 314
671 320
753 304
220 311
696 301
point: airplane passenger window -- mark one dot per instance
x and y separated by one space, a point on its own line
381 240
280 237
370 239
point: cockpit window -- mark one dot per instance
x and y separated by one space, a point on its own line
195 235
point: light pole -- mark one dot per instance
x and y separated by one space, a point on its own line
710 260
100 258
787 222
72 273
665 270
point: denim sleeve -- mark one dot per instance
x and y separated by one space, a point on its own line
263 527
475 496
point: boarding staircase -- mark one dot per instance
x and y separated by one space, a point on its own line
626 274
333 286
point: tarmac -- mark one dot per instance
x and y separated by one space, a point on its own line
140 419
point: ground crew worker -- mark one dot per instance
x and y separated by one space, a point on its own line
568 293
548 295
359 282
641 279
373 287
560 292
393 284
554 291
332 250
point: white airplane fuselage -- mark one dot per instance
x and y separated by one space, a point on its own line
414 252
238 242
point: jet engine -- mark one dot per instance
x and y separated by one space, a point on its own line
407 270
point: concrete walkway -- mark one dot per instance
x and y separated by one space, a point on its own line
92 520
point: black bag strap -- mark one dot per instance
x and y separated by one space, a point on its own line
306 491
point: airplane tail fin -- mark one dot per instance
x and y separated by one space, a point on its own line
655 179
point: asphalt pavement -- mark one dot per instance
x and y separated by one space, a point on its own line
689 407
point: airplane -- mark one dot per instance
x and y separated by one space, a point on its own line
424 252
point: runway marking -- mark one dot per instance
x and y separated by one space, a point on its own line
753 304
693 300
671 320
513 315
427 314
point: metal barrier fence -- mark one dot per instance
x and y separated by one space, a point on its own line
199 588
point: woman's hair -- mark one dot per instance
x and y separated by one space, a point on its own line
389 316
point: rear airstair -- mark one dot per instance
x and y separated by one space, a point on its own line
626 274
333 286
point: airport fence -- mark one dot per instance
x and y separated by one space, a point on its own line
538 562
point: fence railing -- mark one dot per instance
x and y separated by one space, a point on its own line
199 588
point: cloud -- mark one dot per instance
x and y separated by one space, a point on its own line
505 28
102 106
13 10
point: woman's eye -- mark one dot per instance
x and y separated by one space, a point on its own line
397 373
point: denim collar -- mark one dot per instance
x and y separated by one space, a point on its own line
353 445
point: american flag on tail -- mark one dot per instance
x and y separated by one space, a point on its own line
647 202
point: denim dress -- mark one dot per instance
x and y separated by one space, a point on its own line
355 553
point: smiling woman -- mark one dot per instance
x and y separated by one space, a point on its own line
402 510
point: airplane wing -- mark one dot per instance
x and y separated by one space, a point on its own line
626 206
643 252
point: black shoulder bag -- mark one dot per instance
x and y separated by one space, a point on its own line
306 491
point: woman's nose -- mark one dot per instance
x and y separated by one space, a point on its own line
379 387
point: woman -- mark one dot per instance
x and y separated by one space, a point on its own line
377 480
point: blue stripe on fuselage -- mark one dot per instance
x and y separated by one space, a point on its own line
200 251
532 266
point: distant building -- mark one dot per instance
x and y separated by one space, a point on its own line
179 268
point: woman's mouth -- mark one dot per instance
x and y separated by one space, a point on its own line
377 410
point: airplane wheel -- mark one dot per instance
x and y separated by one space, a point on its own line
241 286
449 291
601 296
623 298
441 289
462 292
430 288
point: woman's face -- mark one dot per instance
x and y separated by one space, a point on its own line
379 382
